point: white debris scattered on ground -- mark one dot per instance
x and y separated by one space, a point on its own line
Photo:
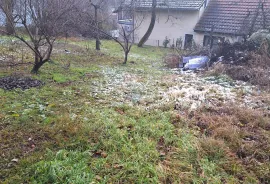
191 91
185 90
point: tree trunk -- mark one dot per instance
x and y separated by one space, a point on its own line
126 57
97 44
9 6
38 63
36 67
9 27
151 26
97 30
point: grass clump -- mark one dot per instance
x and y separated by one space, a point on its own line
62 167
57 77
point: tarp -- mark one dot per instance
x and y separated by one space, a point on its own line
194 62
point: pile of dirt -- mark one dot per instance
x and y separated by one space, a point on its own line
12 82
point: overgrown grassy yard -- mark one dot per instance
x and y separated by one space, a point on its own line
98 121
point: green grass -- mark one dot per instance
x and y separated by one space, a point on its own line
136 53
63 167
88 125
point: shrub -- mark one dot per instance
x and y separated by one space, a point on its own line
255 71
172 60
166 42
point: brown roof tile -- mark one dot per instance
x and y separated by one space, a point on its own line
239 17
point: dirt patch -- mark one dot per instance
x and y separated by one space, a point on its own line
12 82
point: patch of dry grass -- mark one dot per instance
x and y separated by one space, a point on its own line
238 136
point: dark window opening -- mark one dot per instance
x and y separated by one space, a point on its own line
205 3
120 15
124 15
215 40
188 41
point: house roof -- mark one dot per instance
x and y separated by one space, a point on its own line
172 4
238 17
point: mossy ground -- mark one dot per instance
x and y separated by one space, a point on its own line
91 123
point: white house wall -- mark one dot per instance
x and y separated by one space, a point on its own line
179 24
173 24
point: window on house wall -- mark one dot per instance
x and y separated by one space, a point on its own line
206 40
216 40
120 15
205 3
188 41
124 15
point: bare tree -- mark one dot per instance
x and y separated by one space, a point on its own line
42 21
97 5
151 25
90 17
96 18
126 32
7 6
256 18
